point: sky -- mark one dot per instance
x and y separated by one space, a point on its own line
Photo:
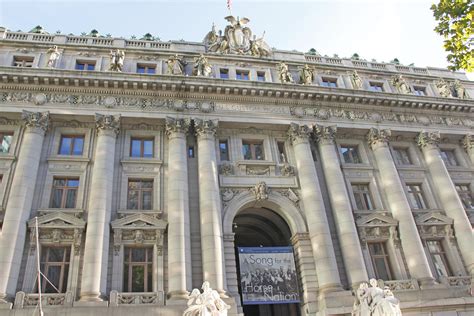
375 29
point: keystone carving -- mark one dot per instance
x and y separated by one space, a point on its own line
261 191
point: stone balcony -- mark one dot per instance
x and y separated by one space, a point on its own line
25 300
145 298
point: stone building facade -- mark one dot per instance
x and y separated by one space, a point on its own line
145 163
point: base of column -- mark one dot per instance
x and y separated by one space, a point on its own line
5 303
178 295
91 297
334 287
427 283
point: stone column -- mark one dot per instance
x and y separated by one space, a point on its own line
321 242
399 206
17 213
179 247
341 206
210 205
450 201
96 253
468 144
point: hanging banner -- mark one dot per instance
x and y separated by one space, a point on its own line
268 275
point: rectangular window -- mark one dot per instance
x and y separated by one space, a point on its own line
55 266
140 195
191 152
141 147
260 76
23 61
329 82
224 73
71 145
242 75
401 156
85 65
449 157
380 262
146 69
6 139
350 154
376 86
253 150
466 195
362 197
281 152
138 270
64 192
438 258
416 197
224 150
419 90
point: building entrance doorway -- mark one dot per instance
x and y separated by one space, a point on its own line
261 227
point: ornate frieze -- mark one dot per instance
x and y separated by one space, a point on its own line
36 120
205 127
378 136
325 134
107 122
297 133
468 142
177 125
425 139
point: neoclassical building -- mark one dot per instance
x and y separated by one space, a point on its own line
145 164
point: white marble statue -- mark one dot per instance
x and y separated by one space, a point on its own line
284 73
202 68
356 80
443 88
400 83
116 60
175 65
373 301
207 303
459 89
54 54
306 75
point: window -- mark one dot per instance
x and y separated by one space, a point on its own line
224 73
362 197
71 145
141 147
350 154
224 150
416 197
138 269
85 65
376 86
146 69
6 142
253 150
449 157
419 90
379 257
23 61
55 266
242 75
191 152
466 195
260 76
329 82
281 152
401 156
438 258
64 192
140 195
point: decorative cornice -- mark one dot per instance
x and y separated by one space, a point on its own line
177 125
297 133
425 139
325 134
107 122
205 127
36 120
378 136
468 142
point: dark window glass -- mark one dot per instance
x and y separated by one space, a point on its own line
253 150
416 196
362 197
449 157
242 75
224 150
419 90
71 145
380 261
281 152
260 76
64 193
466 195
350 154
6 139
138 269
224 73
23 61
438 258
376 86
140 195
141 147
191 151
85 65
55 266
326 82
401 156
146 69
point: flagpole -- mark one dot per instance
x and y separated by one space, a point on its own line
38 266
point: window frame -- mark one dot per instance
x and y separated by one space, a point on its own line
443 256
376 84
45 265
140 194
357 150
142 141
225 72
73 141
447 159
242 73
464 193
128 269
23 61
329 82
420 194
64 191
406 149
146 68
86 64
417 89
226 156
385 256
252 148
2 138
261 75
362 194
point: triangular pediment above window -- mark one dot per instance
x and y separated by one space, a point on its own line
434 219
376 220
58 220
139 220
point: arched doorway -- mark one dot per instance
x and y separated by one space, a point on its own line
262 227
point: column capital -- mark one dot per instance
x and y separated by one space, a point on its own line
36 120
298 133
468 142
205 127
105 122
325 134
425 139
377 136
177 125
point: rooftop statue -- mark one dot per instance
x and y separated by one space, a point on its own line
237 39
356 80
443 88
202 67
306 75
54 54
175 65
207 303
400 83
284 73
116 60
459 90
373 301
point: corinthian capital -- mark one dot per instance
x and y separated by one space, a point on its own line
297 133
107 123
325 134
468 142
177 125
425 139
378 136
205 127
36 120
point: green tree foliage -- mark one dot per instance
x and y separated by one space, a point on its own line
456 25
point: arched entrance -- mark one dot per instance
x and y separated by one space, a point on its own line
262 227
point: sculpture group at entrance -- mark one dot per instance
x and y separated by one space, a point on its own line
374 301
207 303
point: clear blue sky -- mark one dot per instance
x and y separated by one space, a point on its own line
380 29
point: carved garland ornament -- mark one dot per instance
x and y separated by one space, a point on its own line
325 134
425 139
36 120
177 125
376 136
205 127
107 123
297 133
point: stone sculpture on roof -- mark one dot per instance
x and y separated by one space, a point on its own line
116 60
202 68
175 65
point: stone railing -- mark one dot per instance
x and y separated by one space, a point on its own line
122 298
456 281
23 300
400 285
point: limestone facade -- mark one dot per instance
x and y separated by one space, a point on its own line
166 162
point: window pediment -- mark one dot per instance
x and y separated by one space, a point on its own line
58 220
376 220
142 221
434 219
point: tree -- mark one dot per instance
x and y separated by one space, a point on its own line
456 25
